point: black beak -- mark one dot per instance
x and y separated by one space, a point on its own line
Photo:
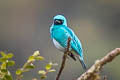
58 22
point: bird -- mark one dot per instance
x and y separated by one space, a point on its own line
60 33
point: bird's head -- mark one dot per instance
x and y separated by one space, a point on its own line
60 20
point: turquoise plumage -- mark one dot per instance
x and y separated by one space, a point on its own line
60 32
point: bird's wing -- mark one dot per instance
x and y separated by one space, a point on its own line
75 42
77 47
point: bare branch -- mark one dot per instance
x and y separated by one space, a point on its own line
64 58
94 72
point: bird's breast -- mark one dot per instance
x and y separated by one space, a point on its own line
59 33
58 46
60 36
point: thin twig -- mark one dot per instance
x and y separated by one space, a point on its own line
29 62
19 77
64 58
93 72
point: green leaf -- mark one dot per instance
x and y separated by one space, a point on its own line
41 72
10 63
18 72
36 53
3 59
8 77
52 70
30 67
39 58
9 55
3 66
4 70
3 54
31 58
54 64
48 66
43 77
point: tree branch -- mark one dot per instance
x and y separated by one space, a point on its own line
64 58
94 72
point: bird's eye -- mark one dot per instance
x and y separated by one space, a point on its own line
58 22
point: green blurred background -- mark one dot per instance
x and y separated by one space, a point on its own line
24 28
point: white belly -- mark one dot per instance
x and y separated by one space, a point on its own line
58 46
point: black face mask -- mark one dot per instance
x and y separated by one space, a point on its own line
58 22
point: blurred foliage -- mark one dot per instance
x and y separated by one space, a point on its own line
48 68
6 62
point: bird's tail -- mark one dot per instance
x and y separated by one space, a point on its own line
82 63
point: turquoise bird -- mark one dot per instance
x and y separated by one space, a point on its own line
60 33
